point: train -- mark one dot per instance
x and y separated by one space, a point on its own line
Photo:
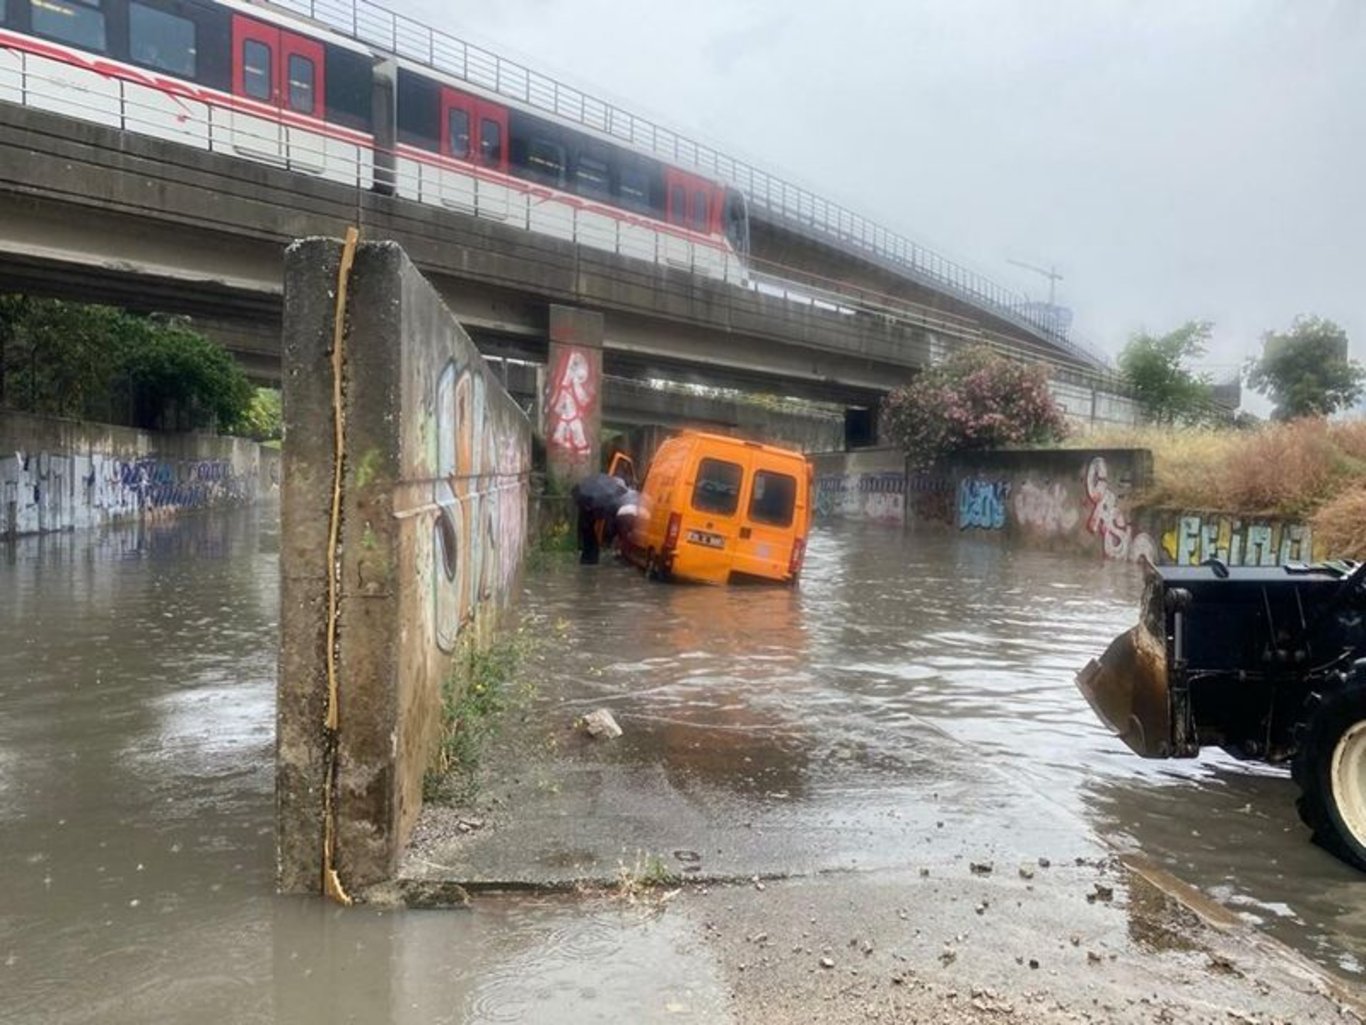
260 84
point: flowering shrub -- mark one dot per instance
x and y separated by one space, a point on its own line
975 399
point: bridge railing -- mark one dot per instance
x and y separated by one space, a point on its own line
192 119
781 201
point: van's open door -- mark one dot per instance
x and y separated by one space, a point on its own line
623 469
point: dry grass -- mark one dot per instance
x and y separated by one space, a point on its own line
1340 524
1288 470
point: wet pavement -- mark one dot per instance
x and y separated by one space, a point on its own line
909 707
911 704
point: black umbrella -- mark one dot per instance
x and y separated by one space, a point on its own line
600 493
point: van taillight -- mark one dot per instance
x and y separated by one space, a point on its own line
671 532
798 553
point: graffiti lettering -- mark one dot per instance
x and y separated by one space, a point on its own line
982 503
1045 508
573 392
1197 538
1108 521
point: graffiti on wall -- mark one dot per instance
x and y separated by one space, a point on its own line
478 509
1047 509
862 496
45 491
573 390
1108 521
982 503
1195 538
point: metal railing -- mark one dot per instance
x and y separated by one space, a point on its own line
782 202
202 123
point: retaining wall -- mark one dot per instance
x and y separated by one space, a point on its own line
433 500
1087 501
58 474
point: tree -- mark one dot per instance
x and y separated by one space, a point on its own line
1155 366
264 418
975 399
1306 371
97 362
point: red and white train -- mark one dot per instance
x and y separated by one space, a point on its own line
240 79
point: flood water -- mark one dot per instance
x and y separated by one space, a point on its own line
136 743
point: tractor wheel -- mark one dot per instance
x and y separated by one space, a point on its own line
1331 771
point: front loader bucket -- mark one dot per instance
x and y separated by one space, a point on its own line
1127 688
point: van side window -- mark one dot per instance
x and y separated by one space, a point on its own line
718 487
775 496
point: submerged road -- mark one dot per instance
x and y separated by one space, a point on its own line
908 710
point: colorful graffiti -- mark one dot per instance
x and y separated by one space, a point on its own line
46 491
982 503
478 510
573 391
1108 521
1047 509
1195 538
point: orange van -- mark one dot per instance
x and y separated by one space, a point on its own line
715 509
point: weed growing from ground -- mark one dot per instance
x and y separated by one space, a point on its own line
479 689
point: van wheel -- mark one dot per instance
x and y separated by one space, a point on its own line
652 566
1330 768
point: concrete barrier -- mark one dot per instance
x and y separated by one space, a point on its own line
1088 501
58 474
430 541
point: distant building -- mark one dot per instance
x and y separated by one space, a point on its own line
1228 394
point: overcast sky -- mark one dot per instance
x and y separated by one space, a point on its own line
1175 158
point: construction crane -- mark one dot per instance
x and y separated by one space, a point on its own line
1051 273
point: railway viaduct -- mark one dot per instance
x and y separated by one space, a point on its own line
94 213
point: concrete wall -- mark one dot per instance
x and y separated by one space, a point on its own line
866 484
1092 404
60 474
1085 501
433 498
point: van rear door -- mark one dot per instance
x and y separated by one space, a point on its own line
711 513
774 518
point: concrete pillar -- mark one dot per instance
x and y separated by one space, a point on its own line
572 400
430 535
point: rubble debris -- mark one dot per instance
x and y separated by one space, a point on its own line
600 725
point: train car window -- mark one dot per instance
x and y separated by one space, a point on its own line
700 220
348 85
70 21
490 142
256 70
161 40
678 205
592 176
301 90
545 161
458 133
633 187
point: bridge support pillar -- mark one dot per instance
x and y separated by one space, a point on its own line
571 407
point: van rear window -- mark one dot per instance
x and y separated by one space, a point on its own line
775 496
718 487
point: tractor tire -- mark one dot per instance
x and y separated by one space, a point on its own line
1330 769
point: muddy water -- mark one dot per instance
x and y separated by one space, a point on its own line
913 701
136 694
136 855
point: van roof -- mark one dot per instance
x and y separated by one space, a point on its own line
726 439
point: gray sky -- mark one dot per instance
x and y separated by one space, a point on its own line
1174 158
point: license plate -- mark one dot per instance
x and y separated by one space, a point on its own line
701 537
